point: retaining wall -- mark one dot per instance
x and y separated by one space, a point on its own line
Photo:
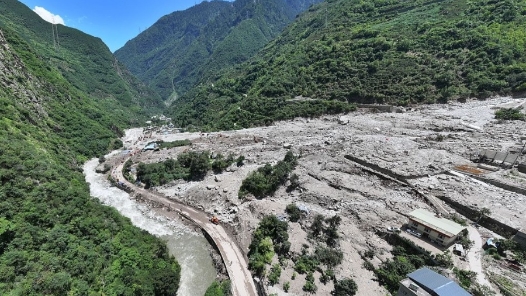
488 222
502 185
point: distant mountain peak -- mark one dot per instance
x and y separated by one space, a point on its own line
185 47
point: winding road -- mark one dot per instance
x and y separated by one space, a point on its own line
236 265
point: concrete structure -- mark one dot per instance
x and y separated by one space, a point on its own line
425 282
434 227
490 243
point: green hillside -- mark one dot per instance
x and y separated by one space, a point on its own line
83 60
188 46
381 51
54 238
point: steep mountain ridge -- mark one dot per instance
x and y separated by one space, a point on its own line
185 47
54 238
85 61
398 52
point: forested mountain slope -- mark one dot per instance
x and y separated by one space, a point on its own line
187 46
54 238
83 60
379 51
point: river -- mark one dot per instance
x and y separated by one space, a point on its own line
187 246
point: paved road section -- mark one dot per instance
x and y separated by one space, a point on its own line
236 265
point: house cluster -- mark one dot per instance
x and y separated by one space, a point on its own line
443 232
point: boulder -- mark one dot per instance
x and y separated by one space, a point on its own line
102 168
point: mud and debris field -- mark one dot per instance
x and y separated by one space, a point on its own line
422 144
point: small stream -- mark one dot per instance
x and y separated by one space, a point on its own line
188 247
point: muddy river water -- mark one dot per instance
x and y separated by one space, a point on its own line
187 246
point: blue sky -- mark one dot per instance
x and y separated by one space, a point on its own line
114 21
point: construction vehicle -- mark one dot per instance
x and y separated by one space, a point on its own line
214 220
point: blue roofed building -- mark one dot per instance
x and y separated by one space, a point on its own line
425 282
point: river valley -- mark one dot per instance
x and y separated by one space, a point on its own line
189 247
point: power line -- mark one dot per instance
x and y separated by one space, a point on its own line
54 34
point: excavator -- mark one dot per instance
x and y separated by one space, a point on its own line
214 220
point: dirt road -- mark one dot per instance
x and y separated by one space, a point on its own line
236 264
475 256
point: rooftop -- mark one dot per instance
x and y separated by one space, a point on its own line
435 222
418 291
437 283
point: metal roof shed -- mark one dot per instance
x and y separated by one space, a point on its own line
436 284
442 225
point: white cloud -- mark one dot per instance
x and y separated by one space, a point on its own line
48 16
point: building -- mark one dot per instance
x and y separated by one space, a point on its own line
458 249
434 227
425 282
151 146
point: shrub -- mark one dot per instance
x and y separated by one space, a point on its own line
294 212
369 254
240 161
275 273
327 276
368 265
345 287
294 182
286 287
329 257
306 264
221 163
509 114
309 284
465 277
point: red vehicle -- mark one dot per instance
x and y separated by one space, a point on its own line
214 220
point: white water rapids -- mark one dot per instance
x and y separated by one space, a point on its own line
188 247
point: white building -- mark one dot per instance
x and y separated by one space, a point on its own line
434 227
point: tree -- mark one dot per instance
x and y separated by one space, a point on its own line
483 213
218 289
317 225
345 287
294 182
